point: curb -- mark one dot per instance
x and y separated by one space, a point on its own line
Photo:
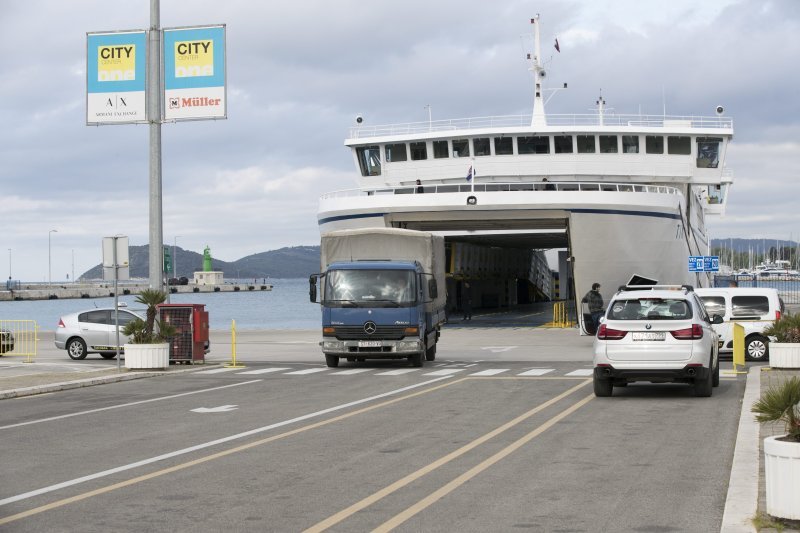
741 504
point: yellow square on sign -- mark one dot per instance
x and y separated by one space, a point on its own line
194 58
116 62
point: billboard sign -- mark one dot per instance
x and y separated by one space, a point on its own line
115 77
194 73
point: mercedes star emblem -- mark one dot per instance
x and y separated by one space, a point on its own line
370 327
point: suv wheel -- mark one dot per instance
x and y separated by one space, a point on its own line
704 386
757 348
602 387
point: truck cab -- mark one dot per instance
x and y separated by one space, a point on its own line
378 309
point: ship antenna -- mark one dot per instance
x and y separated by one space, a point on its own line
539 118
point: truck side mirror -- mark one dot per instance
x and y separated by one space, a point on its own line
433 289
312 289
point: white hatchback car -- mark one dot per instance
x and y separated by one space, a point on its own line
92 331
660 334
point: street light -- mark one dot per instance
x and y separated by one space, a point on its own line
49 263
9 263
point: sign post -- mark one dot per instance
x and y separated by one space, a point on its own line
116 265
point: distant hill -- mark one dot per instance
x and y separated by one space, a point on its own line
294 262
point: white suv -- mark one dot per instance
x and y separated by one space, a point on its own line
660 334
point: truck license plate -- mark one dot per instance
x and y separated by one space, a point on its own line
649 335
369 344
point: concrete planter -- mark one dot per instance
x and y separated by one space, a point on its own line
139 356
784 355
782 477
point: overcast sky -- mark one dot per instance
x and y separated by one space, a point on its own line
299 73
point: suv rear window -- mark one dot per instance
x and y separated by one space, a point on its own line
650 309
749 305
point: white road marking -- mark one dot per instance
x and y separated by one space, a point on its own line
197 447
128 404
537 372
264 370
397 372
498 349
216 370
351 371
444 372
306 371
220 409
581 372
490 372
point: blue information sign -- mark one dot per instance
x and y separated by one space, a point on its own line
703 263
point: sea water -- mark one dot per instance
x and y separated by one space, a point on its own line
286 306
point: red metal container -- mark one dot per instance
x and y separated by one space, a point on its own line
190 341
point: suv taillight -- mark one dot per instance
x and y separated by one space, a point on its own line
694 332
607 334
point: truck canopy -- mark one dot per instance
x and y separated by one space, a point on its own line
388 244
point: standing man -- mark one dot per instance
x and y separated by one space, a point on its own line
466 301
595 301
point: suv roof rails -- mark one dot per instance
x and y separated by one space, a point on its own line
687 288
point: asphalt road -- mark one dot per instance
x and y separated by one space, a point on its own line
501 432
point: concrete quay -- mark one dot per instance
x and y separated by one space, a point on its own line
38 291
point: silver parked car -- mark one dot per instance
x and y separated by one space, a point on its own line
92 331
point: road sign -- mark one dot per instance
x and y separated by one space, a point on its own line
703 263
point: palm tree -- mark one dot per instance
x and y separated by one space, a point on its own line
151 298
141 331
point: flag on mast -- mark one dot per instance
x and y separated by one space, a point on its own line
470 173
558 49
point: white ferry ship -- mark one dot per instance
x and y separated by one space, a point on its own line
618 195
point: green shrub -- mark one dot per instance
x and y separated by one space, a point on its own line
787 329
780 404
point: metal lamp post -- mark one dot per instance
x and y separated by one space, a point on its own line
49 255
9 263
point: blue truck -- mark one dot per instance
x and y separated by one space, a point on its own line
382 293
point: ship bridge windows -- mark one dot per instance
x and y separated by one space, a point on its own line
503 146
440 150
460 147
419 150
585 144
708 152
562 144
396 152
608 144
369 160
538 144
630 144
481 146
654 144
679 145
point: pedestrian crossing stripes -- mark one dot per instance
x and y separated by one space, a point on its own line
583 372
537 372
264 371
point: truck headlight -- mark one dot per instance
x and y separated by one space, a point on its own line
332 345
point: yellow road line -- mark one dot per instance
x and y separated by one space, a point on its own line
472 472
366 502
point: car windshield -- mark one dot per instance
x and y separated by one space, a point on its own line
372 288
650 309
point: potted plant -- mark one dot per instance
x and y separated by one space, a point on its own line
782 454
784 348
148 345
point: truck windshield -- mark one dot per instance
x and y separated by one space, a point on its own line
370 288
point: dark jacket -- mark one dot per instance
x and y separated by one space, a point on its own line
595 301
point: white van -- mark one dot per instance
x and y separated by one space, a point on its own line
753 308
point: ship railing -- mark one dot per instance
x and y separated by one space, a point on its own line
506 187
524 121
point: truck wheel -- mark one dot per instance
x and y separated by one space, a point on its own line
430 353
757 348
416 359
332 360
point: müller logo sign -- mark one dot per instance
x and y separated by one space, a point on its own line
194 75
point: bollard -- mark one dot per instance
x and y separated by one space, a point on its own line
233 364
738 348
